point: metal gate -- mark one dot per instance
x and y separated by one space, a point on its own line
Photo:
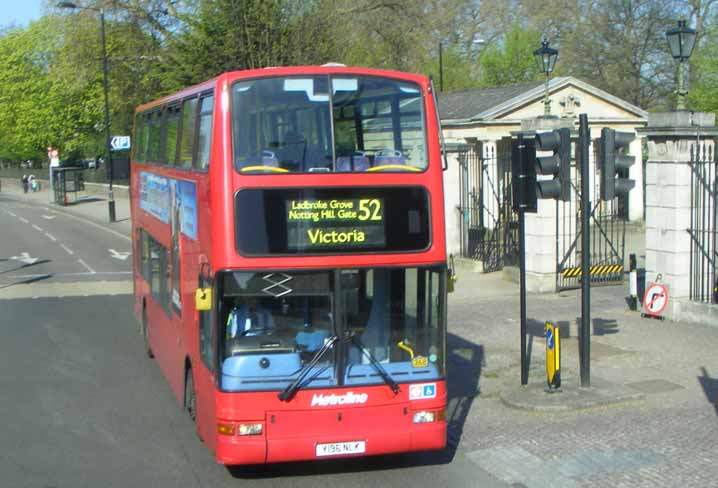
489 229
608 232
703 281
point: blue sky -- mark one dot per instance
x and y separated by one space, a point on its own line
19 12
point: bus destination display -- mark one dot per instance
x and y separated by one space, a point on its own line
336 223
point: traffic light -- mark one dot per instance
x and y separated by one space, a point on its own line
523 179
613 149
557 164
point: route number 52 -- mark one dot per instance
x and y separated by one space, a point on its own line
369 209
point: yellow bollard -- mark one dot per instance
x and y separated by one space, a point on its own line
553 358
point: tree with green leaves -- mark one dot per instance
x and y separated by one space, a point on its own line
511 61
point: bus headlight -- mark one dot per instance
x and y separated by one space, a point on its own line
424 417
250 429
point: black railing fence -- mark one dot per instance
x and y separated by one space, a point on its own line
488 226
703 280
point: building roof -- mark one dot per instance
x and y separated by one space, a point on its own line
496 101
468 104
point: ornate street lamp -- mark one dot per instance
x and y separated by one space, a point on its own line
108 158
545 57
681 40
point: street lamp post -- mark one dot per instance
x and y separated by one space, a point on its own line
441 66
681 40
108 157
545 57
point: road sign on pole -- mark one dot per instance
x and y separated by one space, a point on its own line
120 143
655 300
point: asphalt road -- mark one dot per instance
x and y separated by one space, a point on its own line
83 406
41 244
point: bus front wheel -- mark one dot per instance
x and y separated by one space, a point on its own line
190 400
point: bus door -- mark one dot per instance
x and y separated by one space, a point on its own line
203 371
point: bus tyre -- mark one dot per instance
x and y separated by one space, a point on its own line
190 400
146 334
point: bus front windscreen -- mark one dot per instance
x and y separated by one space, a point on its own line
337 123
274 324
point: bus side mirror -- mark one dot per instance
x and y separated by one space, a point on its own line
203 299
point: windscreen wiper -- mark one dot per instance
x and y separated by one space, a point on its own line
291 389
377 365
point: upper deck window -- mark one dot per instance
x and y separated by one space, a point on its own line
328 124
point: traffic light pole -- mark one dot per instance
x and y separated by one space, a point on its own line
585 335
522 286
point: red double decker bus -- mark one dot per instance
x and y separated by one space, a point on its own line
290 272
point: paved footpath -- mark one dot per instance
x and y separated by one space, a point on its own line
88 206
669 438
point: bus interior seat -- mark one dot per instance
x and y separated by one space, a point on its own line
388 156
269 159
356 162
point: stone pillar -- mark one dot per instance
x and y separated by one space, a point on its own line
452 200
670 137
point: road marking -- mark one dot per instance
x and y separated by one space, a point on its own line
119 255
37 227
76 289
25 258
48 217
11 213
86 266
81 219
60 275
23 219
51 237
67 249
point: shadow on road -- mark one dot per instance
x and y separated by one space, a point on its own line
464 362
605 327
710 388
27 281
25 266
82 200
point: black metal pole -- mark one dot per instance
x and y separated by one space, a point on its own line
108 157
441 67
522 286
522 164
584 138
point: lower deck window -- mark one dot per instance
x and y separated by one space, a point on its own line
273 324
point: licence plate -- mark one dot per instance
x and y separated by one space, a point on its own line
339 448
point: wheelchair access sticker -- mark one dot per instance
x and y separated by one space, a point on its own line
422 391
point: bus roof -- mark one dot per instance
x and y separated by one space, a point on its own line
283 71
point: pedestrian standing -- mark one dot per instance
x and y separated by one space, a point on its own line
24 183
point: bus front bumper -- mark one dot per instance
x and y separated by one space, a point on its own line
243 450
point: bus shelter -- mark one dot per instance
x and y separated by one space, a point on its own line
67 180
